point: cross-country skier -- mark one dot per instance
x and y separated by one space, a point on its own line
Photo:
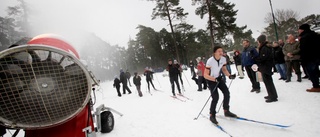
176 63
173 75
137 82
149 78
212 73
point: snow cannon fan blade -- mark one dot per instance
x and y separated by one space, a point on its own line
41 86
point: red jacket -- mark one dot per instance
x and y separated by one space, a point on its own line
201 67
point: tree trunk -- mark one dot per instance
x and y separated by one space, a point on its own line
210 23
172 31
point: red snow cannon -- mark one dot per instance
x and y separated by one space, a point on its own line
46 90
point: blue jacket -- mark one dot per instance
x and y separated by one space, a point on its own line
248 55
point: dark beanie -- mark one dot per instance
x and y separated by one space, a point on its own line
262 38
216 48
304 27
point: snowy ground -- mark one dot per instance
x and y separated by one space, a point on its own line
159 115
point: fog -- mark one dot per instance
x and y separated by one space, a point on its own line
115 21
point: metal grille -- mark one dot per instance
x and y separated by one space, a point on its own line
41 86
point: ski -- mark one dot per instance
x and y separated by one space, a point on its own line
185 97
218 126
175 97
222 129
259 122
265 123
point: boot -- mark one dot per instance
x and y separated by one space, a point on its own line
227 113
288 80
314 90
269 100
213 119
299 78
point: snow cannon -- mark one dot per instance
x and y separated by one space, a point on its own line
46 91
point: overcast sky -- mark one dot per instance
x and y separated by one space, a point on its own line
115 21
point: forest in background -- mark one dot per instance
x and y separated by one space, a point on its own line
152 48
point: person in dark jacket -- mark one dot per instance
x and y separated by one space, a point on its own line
173 75
124 81
279 61
116 84
291 51
191 65
137 82
237 61
128 76
265 64
177 64
227 65
149 78
309 51
247 61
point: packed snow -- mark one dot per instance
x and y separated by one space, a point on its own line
159 115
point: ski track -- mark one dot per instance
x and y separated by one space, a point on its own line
160 115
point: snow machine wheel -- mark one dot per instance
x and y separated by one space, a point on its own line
107 122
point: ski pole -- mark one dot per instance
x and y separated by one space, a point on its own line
158 80
222 102
186 78
206 102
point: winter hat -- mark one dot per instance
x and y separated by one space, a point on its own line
135 73
304 27
175 62
262 38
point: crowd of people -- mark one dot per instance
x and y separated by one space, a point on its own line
259 62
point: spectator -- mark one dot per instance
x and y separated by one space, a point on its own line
265 63
247 61
281 43
309 49
116 84
191 65
124 81
279 61
237 61
128 77
292 57
201 68
137 82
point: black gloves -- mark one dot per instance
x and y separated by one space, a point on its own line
218 79
232 76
